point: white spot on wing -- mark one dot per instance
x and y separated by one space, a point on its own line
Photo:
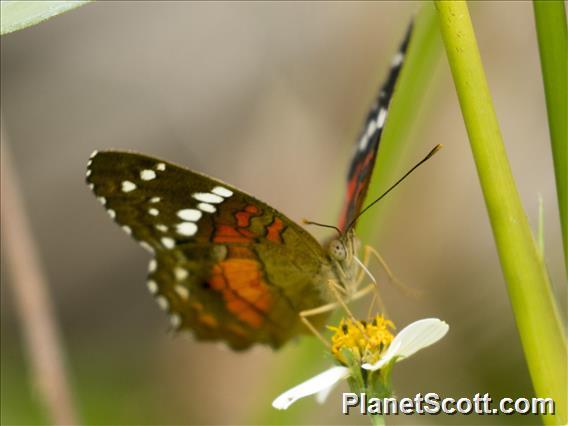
186 228
160 166
161 227
163 302
168 242
128 186
93 154
223 192
207 208
371 128
155 199
175 320
102 200
182 292
127 229
180 273
92 186
363 142
152 265
207 197
381 118
191 215
153 211
111 213
146 246
152 286
147 174
88 172
397 60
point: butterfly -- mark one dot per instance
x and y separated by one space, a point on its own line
226 265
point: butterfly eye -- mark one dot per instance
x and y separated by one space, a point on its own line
337 250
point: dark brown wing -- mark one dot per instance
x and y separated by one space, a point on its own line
363 162
227 265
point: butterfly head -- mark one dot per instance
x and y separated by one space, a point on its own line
343 252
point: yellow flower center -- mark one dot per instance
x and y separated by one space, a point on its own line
365 340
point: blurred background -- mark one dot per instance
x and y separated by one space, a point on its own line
268 97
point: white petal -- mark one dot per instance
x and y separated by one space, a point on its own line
418 335
314 385
322 395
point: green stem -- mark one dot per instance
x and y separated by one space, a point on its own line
533 304
550 18
540 235
377 420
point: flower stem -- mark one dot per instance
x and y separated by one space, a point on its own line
377 420
533 304
41 335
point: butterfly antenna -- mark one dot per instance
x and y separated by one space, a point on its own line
323 225
430 154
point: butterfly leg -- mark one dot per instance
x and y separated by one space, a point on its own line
304 315
337 290
369 250
372 305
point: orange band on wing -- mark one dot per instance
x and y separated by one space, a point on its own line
274 231
243 218
238 233
245 293
228 234
208 320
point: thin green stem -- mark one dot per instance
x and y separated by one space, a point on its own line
540 235
377 420
533 304
41 335
550 18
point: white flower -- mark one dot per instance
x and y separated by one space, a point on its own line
418 335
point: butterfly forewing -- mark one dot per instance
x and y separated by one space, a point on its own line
226 265
363 162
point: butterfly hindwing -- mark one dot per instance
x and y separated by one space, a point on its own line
226 265
363 162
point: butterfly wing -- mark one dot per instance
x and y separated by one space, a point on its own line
363 161
226 265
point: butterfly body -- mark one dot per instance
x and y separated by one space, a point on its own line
226 265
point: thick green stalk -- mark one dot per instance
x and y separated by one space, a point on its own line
533 304
550 17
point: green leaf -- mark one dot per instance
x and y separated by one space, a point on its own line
422 57
535 310
17 15
550 17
